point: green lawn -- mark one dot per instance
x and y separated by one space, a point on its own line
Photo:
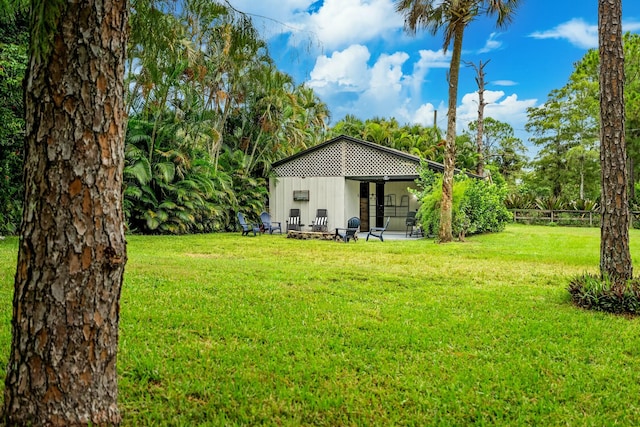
228 330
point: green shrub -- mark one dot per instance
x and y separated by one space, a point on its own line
520 201
429 212
478 207
483 207
593 293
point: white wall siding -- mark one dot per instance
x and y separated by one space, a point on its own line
324 193
351 201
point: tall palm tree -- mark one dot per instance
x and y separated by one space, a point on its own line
451 17
615 257
314 116
350 125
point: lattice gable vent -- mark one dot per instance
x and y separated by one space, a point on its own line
348 158
326 161
362 160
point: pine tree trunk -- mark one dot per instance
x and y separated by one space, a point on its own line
615 258
446 208
62 367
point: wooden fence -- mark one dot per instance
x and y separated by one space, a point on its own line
564 217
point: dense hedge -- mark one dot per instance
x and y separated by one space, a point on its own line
478 207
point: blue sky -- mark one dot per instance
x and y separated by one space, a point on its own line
357 57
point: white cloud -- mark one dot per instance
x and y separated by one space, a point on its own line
339 23
345 70
386 74
333 24
424 114
386 95
576 31
349 85
433 59
630 26
491 44
507 109
510 109
503 83
429 59
579 33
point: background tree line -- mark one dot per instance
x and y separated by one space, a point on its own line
209 112
13 64
566 170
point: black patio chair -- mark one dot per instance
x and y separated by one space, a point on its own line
351 232
268 225
377 231
293 223
246 227
321 220
413 228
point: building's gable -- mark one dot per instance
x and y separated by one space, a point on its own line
349 158
320 162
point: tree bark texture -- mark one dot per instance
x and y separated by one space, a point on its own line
62 367
615 257
480 123
446 208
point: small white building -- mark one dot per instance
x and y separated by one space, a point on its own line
348 177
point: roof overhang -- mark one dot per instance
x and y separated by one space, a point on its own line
383 178
355 159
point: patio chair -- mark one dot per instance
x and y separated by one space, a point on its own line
320 222
413 229
293 223
377 231
268 225
351 232
246 227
